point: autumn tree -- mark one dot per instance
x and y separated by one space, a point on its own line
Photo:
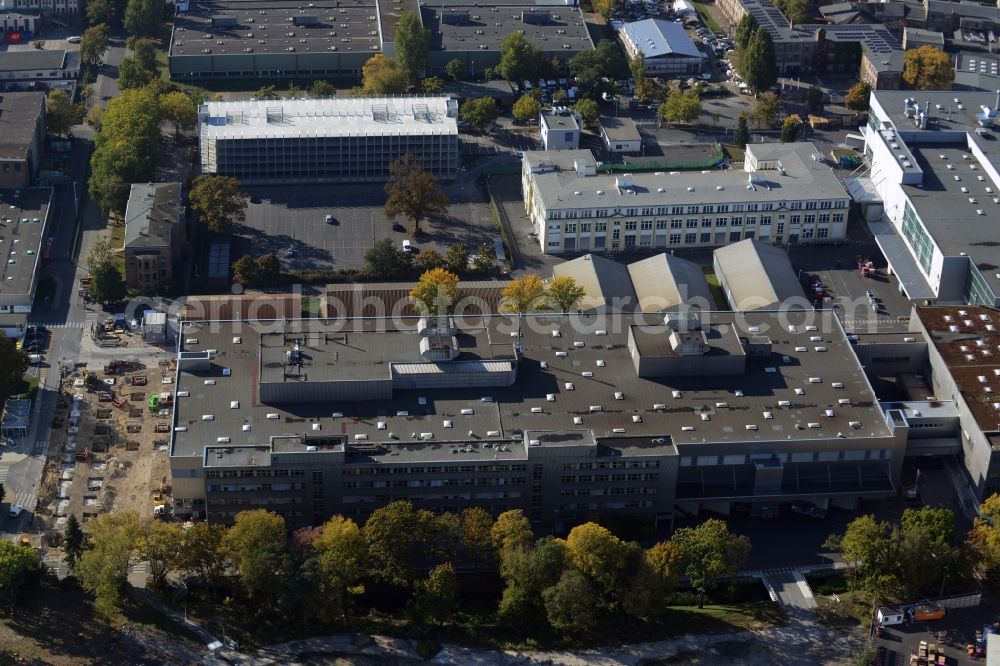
256 545
456 259
396 536
765 113
219 202
791 128
600 556
159 545
857 97
432 85
436 597
564 294
412 40
17 565
382 76
868 552
476 535
710 552
413 192
436 292
61 114
203 556
428 260
341 550
604 7
511 530
927 68
179 110
104 566
522 295
983 541
527 108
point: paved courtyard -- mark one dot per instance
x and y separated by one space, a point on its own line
291 222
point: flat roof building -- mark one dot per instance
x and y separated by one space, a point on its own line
24 231
710 411
327 140
788 195
22 137
620 135
664 47
932 192
559 129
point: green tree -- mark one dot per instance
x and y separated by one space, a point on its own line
3 493
455 69
202 554
73 541
413 192
791 128
396 536
256 545
596 70
219 202
103 568
745 30
765 112
564 294
511 530
868 547
741 137
341 550
245 270
522 295
17 564
571 604
131 74
604 7
385 260
293 90
589 112
857 97
436 598
436 292
526 108
266 92
412 40
814 100
757 63
14 363
143 50
104 11
93 43
456 259
107 284
710 552
983 541
927 68
480 112
144 17
527 571
797 11
160 545
61 114
268 268
476 536
433 85
518 58
680 107
482 261
560 97
179 110
381 75
322 89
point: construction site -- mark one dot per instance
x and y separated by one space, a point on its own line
108 450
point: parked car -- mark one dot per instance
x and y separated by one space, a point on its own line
396 226
407 246
15 510
330 219
75 39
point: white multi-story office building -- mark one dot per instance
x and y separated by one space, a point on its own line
327 140
786 194
931 193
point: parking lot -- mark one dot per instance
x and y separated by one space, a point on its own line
951 635
291 222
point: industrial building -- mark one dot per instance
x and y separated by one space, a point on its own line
561 416
664 47
932 193
24 234
327 140
54 68
559 129
786 194
154 235
333 38
756 276
620 135
825 47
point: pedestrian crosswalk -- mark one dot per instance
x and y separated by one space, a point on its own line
53 325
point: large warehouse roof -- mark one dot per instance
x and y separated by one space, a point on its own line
607 282
663 282
365 116
756 275
656 37
476 27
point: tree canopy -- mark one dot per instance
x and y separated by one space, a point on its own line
680 107
709 553
744 30
523 294
93 43
385 260
519 59
413 192
382 75
107 284
589 111
564 294
927 68
412 40
857 97
596 70
144 17
17 564
765 113
741 137
322 89
103 568
527 108
218 201
179 110
455 69
757 63
436 292
14 363
480 112
791 128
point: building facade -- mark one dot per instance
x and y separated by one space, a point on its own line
559 129
664 47
787 194
327 140
154 235
687 412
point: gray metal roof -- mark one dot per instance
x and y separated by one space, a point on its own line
757 275
32 59
607 282
588 382
664 282
151 213
19 116
482 26
655 38
619 129
24 216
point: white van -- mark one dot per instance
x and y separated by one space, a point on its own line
407 246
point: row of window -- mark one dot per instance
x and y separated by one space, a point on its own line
379 499
254 487
699 208
252 473
615 491
694 223
436 483
617 464
372 470
598 478
795 457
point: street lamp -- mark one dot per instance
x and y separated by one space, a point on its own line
944 577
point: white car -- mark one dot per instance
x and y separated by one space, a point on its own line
407 246
16 510
74 40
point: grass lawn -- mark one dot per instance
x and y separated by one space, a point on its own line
706 17
28 388
733 152
851 610
713 286
117 241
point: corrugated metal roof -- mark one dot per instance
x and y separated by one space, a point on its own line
605 281
655 37
664 281
756 274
